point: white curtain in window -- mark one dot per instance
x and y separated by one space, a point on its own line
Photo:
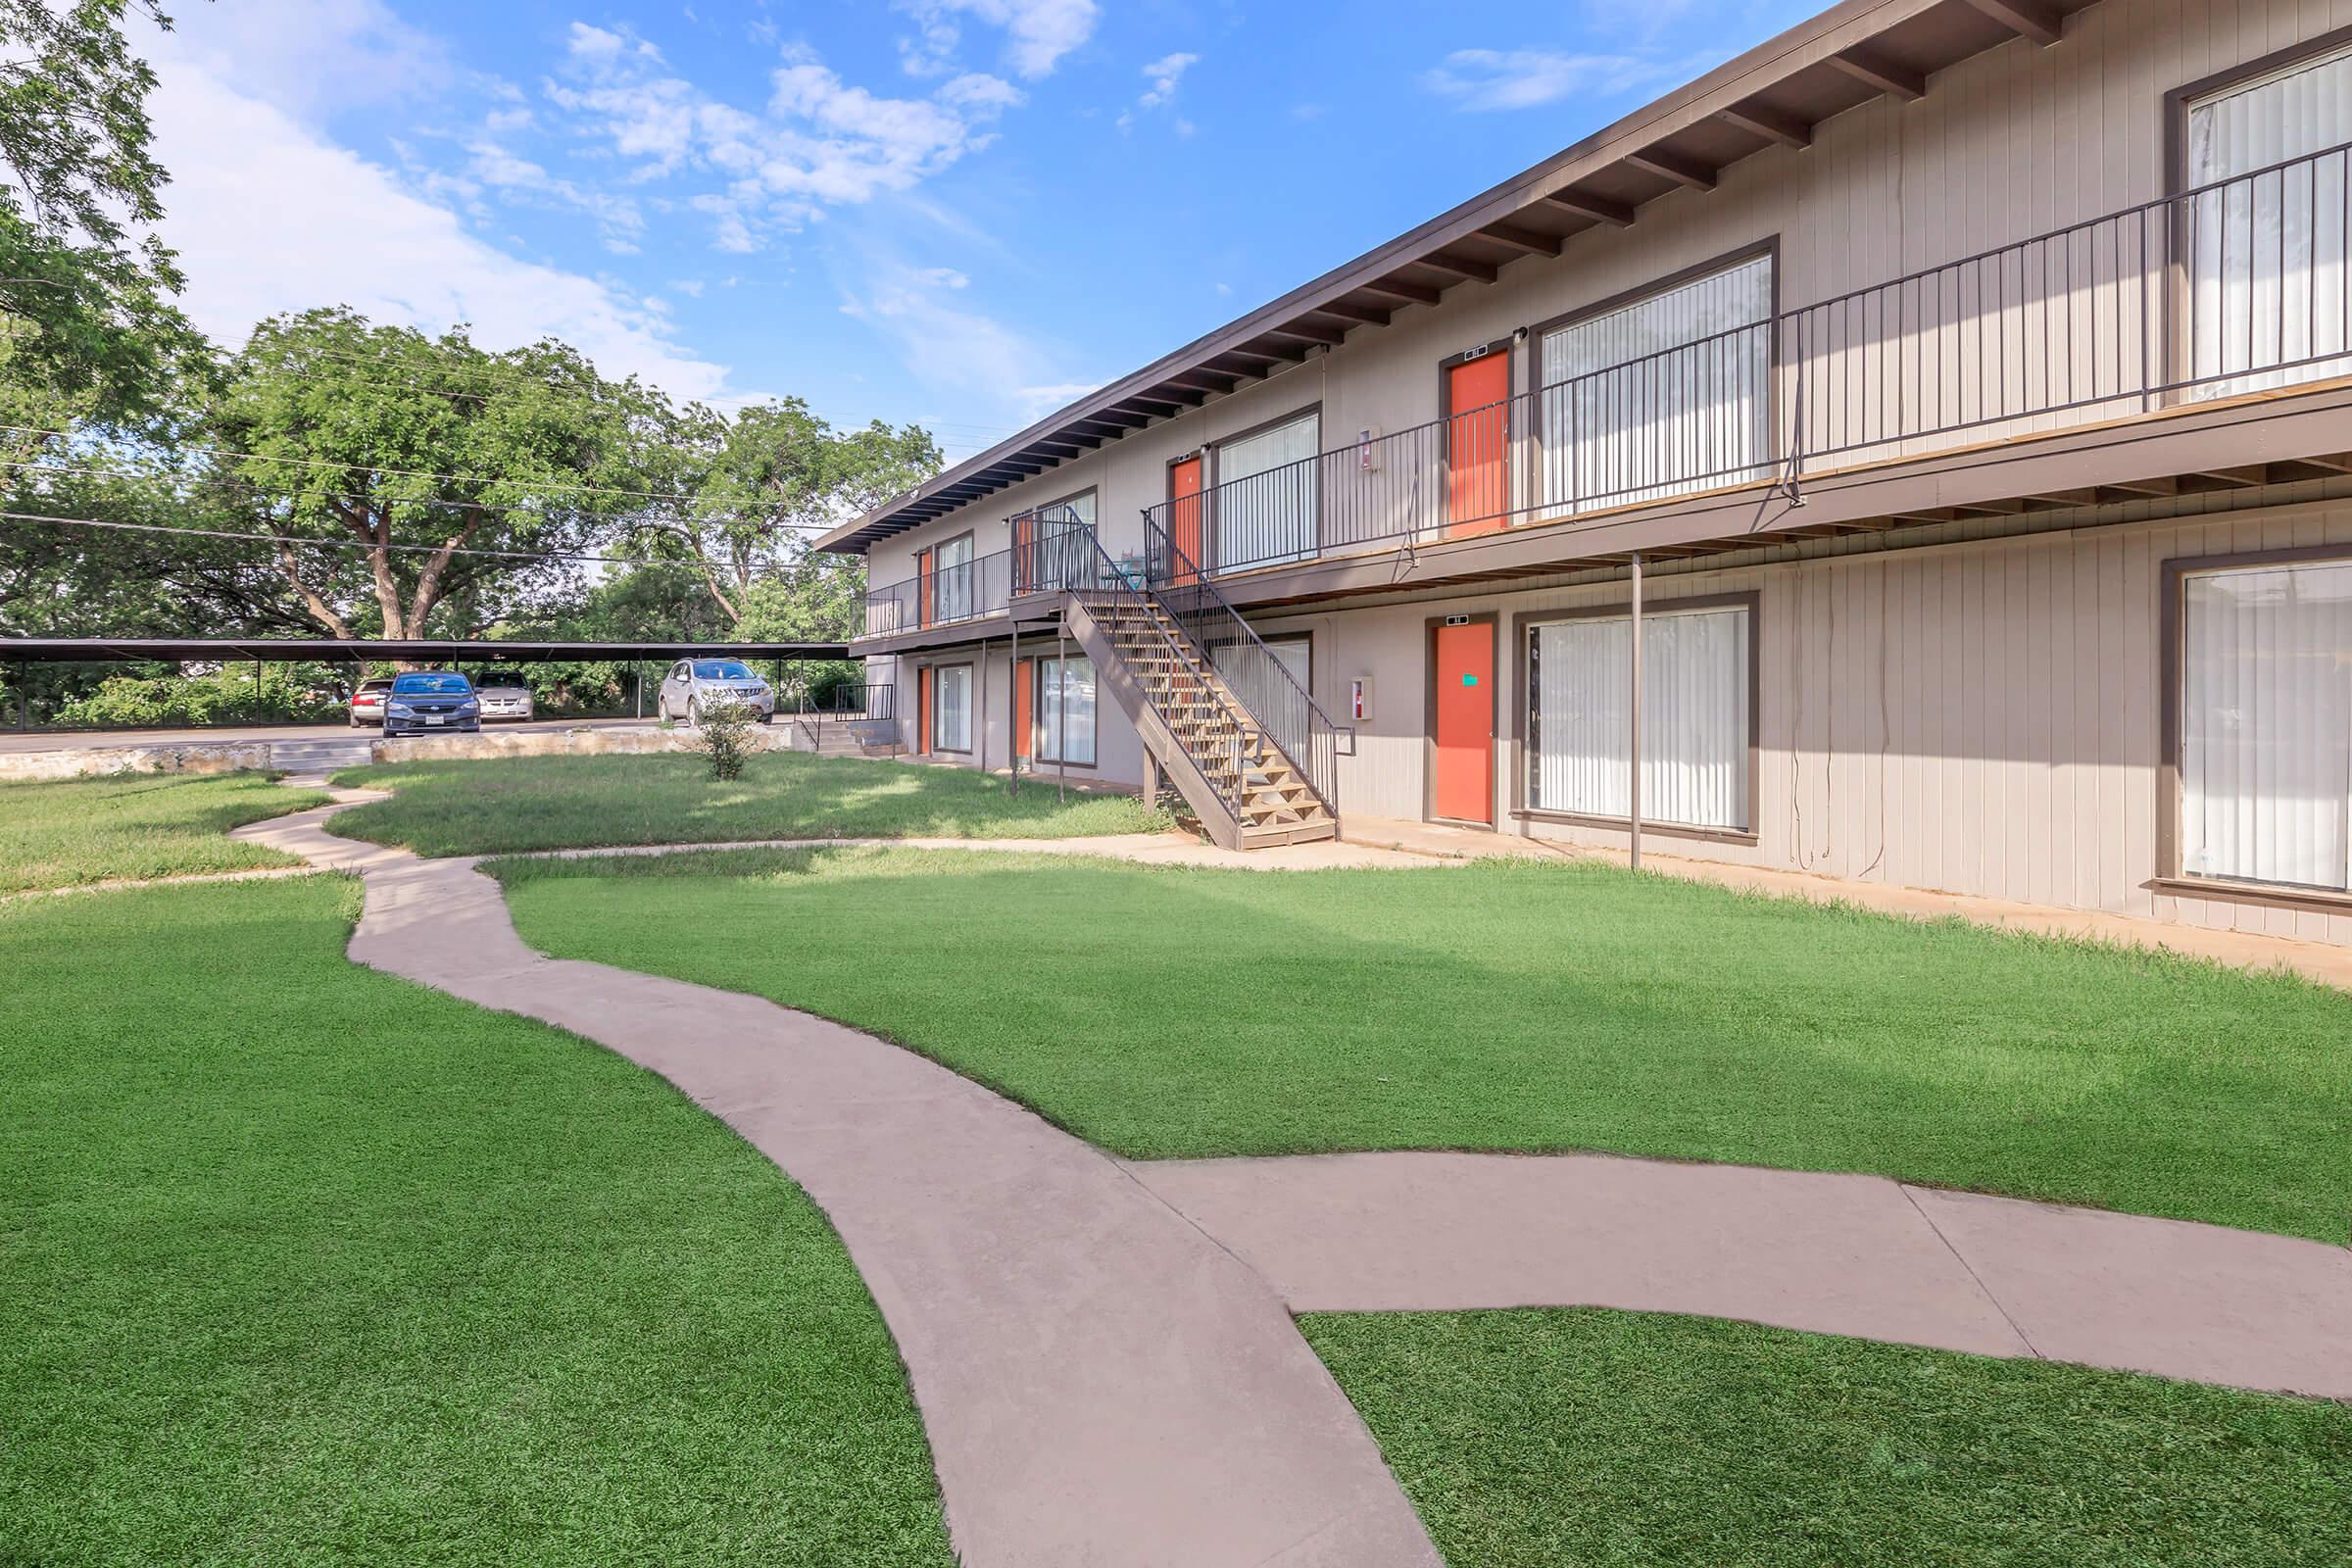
1661 397
2266 725
1694 725
951 566
951 718
1265 508
2266 253
1278 704
1070 682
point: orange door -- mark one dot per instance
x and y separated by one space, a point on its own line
1184 516
1478 439
1024 686
924 586
922 712
1463 786
1024 552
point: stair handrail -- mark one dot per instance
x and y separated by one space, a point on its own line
1169 568
1108 577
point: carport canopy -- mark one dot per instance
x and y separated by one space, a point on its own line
339 650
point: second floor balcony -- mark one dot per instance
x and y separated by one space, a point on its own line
2240 289
1709 402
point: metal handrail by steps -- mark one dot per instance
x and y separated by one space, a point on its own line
1266 686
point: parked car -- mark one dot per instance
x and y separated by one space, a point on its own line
423 702
692 684
505 693
368 703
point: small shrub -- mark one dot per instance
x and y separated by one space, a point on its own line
723 734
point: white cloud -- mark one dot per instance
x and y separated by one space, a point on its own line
310 57
490 166
1522 79
952 349
1038 32
1164 73
269 215
818 142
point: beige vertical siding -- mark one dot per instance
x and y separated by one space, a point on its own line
1975 716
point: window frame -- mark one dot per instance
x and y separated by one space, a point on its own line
2179 279
1211 453
1036 711
1523 628
2172 703
970 716
1775 369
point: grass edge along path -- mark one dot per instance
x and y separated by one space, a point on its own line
306 1264
1542 1437
1168 1012
444 808
77 832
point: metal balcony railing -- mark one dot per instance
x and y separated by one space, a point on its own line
2240 285
940 596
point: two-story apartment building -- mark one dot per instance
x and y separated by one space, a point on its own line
1960 389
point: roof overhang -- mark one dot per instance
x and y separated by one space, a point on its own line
1772 96
332 650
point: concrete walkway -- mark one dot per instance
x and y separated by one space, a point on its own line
1102 1350
1102 1385
1143 849
1859 1255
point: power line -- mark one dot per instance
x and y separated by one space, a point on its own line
363 544
35 465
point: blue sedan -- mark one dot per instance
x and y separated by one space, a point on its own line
426 702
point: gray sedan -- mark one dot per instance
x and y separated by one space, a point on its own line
695 684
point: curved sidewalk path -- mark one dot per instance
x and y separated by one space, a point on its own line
1102 1385
1103 1352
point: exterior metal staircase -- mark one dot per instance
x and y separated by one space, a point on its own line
1181 665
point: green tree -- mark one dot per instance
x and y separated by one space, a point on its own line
419 450
85 285
764 483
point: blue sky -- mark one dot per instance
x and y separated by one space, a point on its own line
962 212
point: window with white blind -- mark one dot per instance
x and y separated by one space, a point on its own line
1660 397
952 707
1263 509
2267 251
952 586
1695 716
1065 711
2266 725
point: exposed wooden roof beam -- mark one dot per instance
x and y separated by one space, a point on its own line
1478 272
1396 288
1203 380
2164 486
1369 314
1681 171
1877 71
1108 426
1305 332
1255 361
2234 478
1769 123
1157 408
1522 239
1598 208
2028 19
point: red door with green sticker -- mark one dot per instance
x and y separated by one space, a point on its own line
1461 785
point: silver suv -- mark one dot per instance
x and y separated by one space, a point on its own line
694 684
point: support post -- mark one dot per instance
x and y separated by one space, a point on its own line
1633 767
1013 723
23 699
1061 713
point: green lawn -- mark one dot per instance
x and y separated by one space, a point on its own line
1553 1438
302 1264
564 803
77 831
1520 1006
